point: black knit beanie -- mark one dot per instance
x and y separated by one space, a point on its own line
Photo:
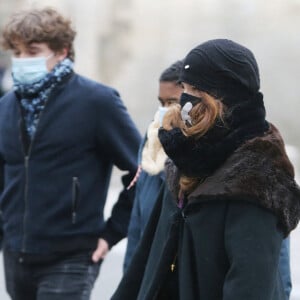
224 69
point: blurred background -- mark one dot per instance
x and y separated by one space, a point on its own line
127 43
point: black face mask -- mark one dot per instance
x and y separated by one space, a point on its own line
184 98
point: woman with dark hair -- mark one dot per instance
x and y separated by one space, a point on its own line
230 196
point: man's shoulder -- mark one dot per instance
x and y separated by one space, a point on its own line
86 84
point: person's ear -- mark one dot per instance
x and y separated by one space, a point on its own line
62 54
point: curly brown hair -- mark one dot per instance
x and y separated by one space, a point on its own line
39 26
203 115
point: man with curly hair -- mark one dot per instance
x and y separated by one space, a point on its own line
60 135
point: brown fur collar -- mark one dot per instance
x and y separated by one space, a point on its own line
259 171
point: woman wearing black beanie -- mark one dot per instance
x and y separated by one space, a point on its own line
230 196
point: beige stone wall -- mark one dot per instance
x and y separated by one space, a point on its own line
103 29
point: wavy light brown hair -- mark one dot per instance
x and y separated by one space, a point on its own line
39 26
203 116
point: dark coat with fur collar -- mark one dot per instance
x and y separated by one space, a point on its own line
227 239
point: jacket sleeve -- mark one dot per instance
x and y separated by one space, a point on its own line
135 224
1 231
1 189
134 229
284 267
119 139
131 281
252 243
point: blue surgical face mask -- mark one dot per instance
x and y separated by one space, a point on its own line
30 69
162 111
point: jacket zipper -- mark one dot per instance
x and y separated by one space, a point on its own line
75 193
26 165
26 161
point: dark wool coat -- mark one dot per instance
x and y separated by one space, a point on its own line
227 239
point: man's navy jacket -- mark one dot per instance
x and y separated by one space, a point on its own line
54 187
